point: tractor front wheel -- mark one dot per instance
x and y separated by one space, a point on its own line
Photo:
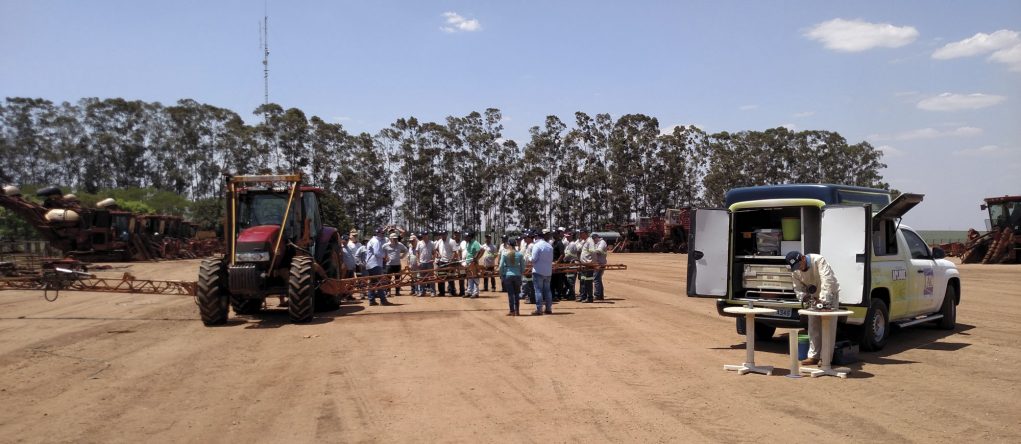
301 293
212 297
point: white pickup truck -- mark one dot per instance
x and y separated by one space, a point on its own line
886 273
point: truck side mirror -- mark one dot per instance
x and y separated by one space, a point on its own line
697 255
938 253
982 207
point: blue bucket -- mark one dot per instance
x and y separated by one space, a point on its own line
803 347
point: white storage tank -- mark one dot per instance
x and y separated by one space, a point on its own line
108 202
59 215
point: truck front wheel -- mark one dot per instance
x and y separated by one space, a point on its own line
949 310
876 328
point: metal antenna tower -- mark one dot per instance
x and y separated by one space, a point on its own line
264 44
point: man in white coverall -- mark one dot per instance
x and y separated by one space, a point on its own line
810 270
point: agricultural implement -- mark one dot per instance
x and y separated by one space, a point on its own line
665 234
1002 243
106 232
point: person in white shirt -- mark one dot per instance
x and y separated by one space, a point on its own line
462 249
413 261
394 252
424 250
375 258
446 252
488 262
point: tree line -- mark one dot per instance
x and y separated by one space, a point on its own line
462 172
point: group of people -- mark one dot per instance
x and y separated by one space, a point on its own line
524 264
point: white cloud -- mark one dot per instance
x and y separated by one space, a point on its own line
987 151
747 107
929 133
457 23
858 35
956 102
980 43
889 151
1005 46
804 114
1010 57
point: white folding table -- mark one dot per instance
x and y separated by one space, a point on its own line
749 333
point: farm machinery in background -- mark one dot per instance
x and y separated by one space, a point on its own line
106 232
1001 244
660 234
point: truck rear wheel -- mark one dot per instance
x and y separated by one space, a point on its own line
300 290
949 310
212 298
876 328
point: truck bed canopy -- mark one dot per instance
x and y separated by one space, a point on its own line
828 193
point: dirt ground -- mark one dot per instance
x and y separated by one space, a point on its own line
643 366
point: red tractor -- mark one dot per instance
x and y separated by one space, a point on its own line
276 246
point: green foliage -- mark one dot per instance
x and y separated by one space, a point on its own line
459 173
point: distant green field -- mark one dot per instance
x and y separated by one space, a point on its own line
933 237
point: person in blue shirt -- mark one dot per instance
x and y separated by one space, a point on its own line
512 267
542 272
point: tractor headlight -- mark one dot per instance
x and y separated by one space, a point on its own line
254 256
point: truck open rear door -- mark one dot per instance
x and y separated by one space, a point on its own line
709 253
846 237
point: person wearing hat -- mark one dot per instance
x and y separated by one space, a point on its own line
511 270
527 289
542 273
599 256
424 250
812 270
347 256
586 257
353 247
488 262
394 252
459 257
572 251
473 250
413 261
374 261
446 254
558 284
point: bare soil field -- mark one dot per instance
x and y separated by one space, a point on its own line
645 365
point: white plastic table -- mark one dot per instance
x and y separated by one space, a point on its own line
792 341
749 333
829 337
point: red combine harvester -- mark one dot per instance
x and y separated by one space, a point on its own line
1002 243
665 234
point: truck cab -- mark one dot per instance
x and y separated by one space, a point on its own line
885 272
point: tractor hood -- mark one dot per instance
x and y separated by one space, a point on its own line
261 234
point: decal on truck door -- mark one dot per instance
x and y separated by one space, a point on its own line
928 283
899 274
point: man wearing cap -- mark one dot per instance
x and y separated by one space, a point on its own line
542 272
446 249
353 247
488 262
375 259
586 257
572 251
413 261
471 254
462 247
348 257
599 257
394 252
527 289
812 270
424 250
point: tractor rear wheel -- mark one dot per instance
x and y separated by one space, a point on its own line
331 265
212 297
301 292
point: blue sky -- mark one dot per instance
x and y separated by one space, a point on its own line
936 84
